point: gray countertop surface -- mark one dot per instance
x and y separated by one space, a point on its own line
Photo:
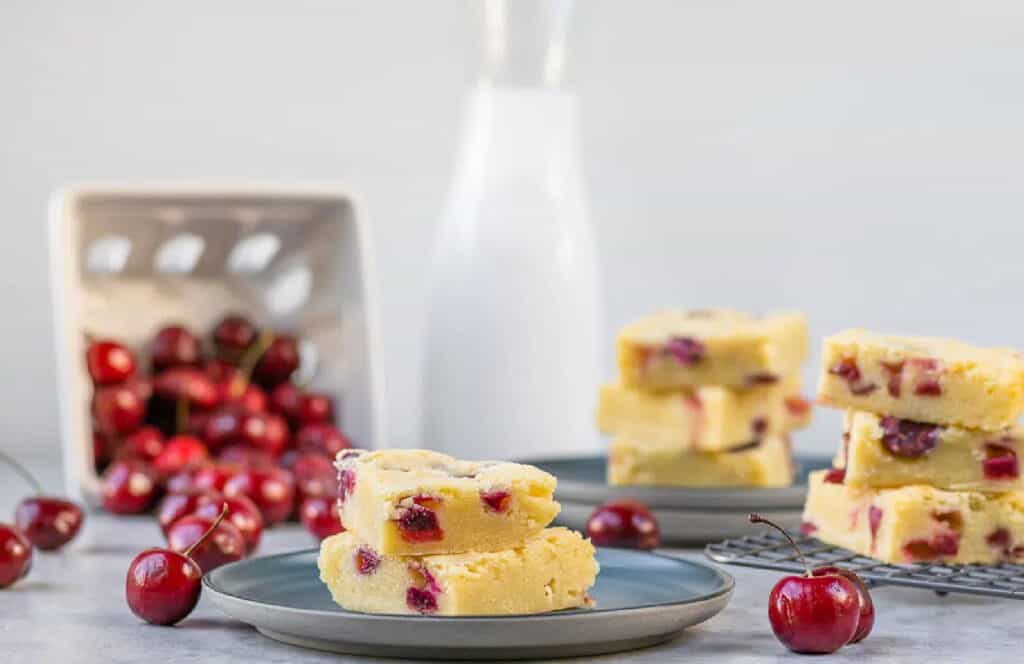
71 608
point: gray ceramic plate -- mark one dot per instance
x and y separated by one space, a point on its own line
642 599
581 480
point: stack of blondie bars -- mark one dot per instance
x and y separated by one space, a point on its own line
929 466
429 534
705 398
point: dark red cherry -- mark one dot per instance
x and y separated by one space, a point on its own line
267 432
285 400
181 452
109 362
908 439
320 516
242 514
271 489
118 409
188 383
48 522
174 346
624 523
214 475
129 487
315 476
867 605
232 336
321 438
15 555
316 407
174 506
240 454
278 362
223 545
147 443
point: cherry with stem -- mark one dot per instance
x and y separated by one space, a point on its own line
48 522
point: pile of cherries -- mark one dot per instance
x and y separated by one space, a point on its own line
212 424
44 522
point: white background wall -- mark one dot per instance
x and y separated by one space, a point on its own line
860 161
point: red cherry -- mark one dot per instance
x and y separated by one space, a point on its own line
320 516
181 452
15 555
244 456
315 476
232 336
129 487
321 438
174 506
48 522
223 426
242 514
220 371
162 586
187 383
118 409
285 400
867 606
147 443
267 432
250 398
109 362
271 488
224 544
181 481
315 407
278 362
174 346
214 476
623 523
818 612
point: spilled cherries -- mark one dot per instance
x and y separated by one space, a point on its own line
625 524
47 522
821 610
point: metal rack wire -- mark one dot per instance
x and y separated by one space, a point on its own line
770 550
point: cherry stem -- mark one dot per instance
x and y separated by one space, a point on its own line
181 415
23 472
216 522
249 361
757 518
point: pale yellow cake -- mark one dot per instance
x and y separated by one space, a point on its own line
421 502
767 463
926 379
705 419
551 570
675 349
916 523
888 452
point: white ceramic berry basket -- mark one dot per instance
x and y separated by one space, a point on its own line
126 260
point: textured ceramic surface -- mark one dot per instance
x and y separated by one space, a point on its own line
641 599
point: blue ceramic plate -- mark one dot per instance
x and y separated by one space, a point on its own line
642 599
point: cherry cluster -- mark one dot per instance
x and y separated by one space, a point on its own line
214 422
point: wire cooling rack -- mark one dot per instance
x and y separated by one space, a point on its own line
770 550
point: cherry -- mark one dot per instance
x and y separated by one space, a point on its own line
223 426
244 456
15 555
321 438
212 542
220 371
320 516
908 439
315 476
129 487
214 476
685 350
247 397
623 523
118 409
174 506
232 336
181 481
174 346
109 362
496 500
267 432
147 443
315 407
187 383
181 452
46 521
285 400
818 612
242 514
271 488
278 362
162 586
867 606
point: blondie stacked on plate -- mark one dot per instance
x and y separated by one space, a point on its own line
429 534
705 398
929 466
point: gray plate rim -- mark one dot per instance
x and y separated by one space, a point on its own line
726 579
706 499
